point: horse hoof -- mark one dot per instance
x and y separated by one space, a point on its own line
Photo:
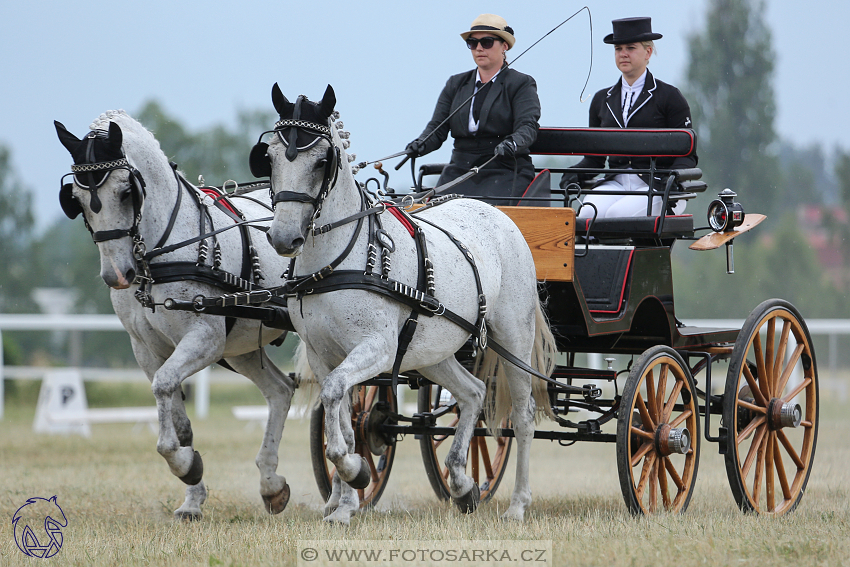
196 472
468 503
276 503
188 516
364 477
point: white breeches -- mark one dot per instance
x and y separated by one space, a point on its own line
611 206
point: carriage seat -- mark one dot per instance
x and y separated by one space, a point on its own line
674 226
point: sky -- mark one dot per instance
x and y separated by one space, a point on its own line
387 61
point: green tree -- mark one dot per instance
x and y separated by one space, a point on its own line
838 219
217 153
16 221
730 91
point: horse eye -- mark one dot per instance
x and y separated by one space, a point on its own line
125 194
321 164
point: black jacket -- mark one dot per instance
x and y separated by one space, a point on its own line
511 110
659 105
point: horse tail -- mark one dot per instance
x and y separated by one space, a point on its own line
489 368
308 389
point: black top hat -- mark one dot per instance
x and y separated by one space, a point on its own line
631 30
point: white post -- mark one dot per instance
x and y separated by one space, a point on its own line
2 392
594 360
202 393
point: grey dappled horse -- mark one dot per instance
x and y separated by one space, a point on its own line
352 335
130 197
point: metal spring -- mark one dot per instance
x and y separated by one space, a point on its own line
372 258
203 249
255 265
217 256
386 263
429 276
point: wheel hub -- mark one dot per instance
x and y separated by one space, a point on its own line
669 440
367 428
781 414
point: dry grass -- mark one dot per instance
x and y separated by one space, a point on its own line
118 496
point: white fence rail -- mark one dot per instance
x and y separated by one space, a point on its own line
832 328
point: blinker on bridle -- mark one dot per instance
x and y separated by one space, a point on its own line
85 178
261 165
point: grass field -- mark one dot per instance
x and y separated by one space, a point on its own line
118 496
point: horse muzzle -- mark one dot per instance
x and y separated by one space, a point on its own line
287 247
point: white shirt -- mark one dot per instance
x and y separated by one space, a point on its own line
473 125
629 94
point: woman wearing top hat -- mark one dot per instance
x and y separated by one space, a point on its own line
637 100
500 119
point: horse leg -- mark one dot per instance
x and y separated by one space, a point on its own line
277 388
365 360
522 418
192 354
196 494
469 393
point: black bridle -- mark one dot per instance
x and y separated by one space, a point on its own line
261 164
85 178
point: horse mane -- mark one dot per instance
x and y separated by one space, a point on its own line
129 126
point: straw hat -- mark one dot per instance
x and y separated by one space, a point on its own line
493 24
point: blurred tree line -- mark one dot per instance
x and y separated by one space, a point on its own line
730 90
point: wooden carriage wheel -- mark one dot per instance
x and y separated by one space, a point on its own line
658 436
487 458
770 410
368 443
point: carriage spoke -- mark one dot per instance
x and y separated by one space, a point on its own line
792 362
748 430
473 457
802 386
682 417
754 387
768 356
371 460
759 469
370 398
751 454
641 433
674 474
653 486
790 450
760 368
662 387
485 458
758 409
639 454
644 413
768 472
780 470
780 355
650 398
644 475
674 395
662 484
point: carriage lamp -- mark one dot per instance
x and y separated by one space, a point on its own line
724 214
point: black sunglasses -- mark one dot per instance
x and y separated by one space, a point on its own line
486 42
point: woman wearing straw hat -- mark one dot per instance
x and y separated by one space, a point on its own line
500 119
637 100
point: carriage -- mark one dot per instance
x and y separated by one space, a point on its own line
615 296
606 287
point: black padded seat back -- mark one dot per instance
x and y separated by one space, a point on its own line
658 142
675 226
540 187
604 277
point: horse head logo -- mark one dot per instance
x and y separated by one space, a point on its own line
38 527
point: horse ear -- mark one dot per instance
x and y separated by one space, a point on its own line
328 102
279 101
68 140
116 137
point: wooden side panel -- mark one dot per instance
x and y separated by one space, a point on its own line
550 233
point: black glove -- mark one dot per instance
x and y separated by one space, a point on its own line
568 178
506 148
414 148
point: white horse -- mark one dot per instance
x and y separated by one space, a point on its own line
352 335
131 198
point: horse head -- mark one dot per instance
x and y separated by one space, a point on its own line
303 160
109 192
